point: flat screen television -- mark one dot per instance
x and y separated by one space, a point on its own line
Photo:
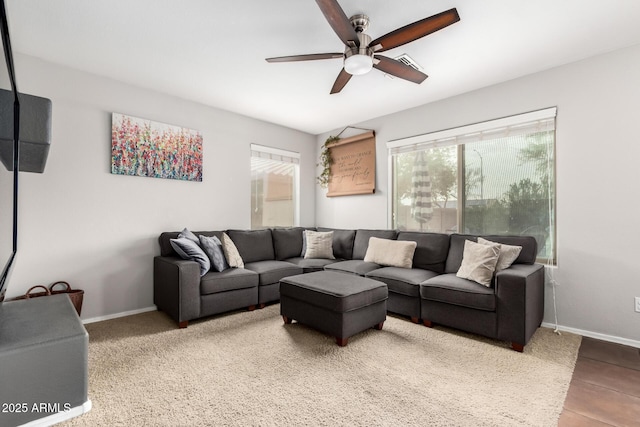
9 138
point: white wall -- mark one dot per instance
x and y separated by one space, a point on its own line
598 154
98 231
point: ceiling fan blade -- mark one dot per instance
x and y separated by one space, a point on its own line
339 21
309 57
414 31
341 81
398 69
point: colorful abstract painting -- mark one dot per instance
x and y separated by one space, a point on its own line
146 148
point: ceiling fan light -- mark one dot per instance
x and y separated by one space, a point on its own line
358 64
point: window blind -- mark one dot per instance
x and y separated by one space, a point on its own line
521 124
274 187
273 160
264 152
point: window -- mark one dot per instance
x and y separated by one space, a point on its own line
274 187
495 177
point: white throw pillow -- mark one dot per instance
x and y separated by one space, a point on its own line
319 244
392 253
231 252
508 253
479 262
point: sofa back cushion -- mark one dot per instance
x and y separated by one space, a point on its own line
361 242
456 248
165 240
342 242
287 242
253 245
431 250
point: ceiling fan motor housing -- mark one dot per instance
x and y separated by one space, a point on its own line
358 60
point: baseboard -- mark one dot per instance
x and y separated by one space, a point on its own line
121 314
596 335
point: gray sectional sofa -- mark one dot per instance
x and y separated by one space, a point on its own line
511 309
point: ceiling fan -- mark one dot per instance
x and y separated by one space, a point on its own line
360 54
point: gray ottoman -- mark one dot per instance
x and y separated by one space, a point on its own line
338 304
43 362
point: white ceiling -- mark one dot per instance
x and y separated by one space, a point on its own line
213 51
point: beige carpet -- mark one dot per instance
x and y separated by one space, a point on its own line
248 368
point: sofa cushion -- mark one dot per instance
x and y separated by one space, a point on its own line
361 241
229 280
271 271
342 242
508 253
287 242
431 250
390 253
479 262
253 245
450 289
190 250
310 265
456 248
336 292
353 266
212 246
318 244
405 281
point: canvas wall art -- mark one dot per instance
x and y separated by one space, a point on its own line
146 148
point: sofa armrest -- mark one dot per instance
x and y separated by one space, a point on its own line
176 288
520 302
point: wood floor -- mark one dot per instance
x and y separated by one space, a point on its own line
605 388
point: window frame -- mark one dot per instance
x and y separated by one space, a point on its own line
467 134
294 157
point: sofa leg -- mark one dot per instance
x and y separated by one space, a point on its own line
342 341
378 326
415 319
251 308
517 347
287 320
427 323
183 324
261 306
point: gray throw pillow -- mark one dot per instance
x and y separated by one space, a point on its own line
186 234
212 246
188 249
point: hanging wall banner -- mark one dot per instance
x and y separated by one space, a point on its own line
353 170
